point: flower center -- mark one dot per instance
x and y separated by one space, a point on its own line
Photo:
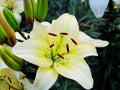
60 45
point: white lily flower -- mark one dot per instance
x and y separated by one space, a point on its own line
15 5
57 49
98 7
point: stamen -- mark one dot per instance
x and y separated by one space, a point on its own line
9 80
74 41
60 56
51 45
52 34
64 33
67 47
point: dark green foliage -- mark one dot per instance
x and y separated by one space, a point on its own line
30 71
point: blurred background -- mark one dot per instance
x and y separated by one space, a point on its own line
106 67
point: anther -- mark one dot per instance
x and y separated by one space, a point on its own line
60 56
74 41
64 33
67 47
9 80
52 34
51 45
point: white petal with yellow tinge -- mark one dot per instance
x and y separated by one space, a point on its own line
76 69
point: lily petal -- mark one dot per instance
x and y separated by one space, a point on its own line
98 7
47 25
96 42
66 23
84 49
45 78
76 69
32 53
39 32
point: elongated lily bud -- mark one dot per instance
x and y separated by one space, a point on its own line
11 19
10 59
29 10
41 9
3 35
10 38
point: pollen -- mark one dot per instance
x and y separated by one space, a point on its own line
64 33
67 47
73 41
52 34
51 45
60 56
